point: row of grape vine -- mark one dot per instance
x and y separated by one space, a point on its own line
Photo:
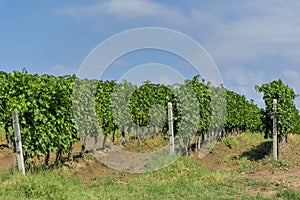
55 112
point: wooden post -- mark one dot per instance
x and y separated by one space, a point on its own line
18 141
171 130
275 149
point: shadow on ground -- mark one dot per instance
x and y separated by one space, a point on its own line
3 146
258 152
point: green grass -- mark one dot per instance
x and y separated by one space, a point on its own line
184 179
243 139
2 135
43 185
149 144
288 193
229 142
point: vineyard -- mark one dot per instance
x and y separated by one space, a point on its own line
57 115
56 112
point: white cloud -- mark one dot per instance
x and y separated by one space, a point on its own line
243 80
235 33
242 76
250 31
127 9
165 80
253 32
292 78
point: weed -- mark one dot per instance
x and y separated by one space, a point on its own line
288 193
280 163
227 159
229 142
2 135
251 138
246 165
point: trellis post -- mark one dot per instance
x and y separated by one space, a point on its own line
275 148
171 129
18 142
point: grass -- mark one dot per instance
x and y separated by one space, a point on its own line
41 185
229 142
2 135
251 138
288 193
184 179
244 139
259 148
144 145
294 137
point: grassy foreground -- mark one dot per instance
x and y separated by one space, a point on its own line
186 178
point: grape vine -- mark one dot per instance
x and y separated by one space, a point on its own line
55 112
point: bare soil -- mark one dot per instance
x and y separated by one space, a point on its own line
285 172
7 159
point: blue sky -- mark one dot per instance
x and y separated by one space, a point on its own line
251 42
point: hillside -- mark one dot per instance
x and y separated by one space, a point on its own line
238 167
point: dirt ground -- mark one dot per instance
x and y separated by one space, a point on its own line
7 159
286 173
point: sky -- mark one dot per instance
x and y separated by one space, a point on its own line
250 42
